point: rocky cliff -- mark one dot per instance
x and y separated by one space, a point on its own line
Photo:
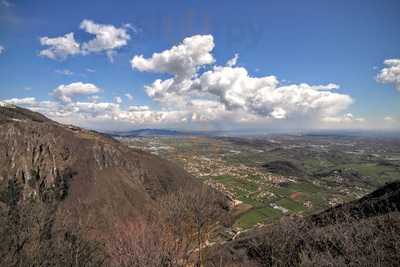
95 175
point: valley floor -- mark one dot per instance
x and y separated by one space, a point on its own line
272 176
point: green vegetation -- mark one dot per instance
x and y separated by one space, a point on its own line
257 215
378 174
320 171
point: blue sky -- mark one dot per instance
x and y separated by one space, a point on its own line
312 42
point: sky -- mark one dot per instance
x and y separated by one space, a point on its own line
204 65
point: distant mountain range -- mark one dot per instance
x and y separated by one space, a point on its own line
152 132
148 132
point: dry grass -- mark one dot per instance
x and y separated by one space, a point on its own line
372 241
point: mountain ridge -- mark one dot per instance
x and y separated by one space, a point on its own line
104 178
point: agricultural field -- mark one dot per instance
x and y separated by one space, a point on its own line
287 175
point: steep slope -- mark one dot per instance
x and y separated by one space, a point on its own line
97 176
382 201
364 232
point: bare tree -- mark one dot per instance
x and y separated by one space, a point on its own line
172 236
193 213
30 234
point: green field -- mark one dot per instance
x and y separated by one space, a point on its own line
258 215
262 212
328 170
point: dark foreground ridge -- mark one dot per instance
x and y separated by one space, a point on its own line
365 232
380 202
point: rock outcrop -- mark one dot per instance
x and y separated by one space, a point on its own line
95 175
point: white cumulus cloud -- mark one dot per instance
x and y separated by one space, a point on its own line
138 108
182 60
233 61
197 96
59 47
65 93
2 49
108 38
118 99
329 86
129 96
391 73
263 96
21 101
346 118
231 89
